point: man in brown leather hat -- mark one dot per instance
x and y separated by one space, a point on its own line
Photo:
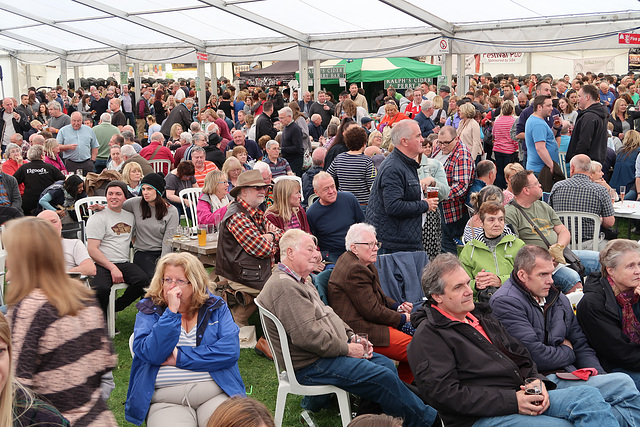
247 244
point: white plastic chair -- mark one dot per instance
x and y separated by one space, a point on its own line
192 195
82 209
563 163
159 165
291 177
131 345
287 382
111 308
574 221
574 298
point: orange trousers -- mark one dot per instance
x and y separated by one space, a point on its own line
397 350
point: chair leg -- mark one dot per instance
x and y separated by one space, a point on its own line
281 402
111 314
345 407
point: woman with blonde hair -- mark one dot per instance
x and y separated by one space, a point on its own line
58 328
241 412
454 116
18 405
622 119
232 169
132 176
624 171
375 139
510 170
185 347
213 202
285 212
439 115
469 131
174 133
299 119
505 149
52 154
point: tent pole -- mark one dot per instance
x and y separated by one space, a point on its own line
14 77
201 88
528 56
303 67
63 73
76 78
214 79
447 69
317 83
136 85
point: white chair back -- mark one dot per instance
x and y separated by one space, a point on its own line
159 166
192 194
287 381
575 222
82 206
574 298
292 178
563 163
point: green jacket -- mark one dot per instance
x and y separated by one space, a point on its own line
476 255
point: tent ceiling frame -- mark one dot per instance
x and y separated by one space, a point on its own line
258 20
33 42
422 15
61 26
195 42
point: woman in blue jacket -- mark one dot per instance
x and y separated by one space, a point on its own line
186 348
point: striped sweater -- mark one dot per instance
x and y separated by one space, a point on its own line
63 358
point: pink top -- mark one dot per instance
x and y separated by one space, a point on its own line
57 162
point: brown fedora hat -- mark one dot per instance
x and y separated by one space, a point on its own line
252 178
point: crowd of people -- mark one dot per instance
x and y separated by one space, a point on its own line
308 196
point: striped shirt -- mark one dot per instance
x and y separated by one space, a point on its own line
169 376
201 175
281 167
355 173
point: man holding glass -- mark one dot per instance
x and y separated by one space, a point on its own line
473 372
325 350
541 317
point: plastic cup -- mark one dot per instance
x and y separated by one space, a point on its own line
432 192
533 386
202 235
363 339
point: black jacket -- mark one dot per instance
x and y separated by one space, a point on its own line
213 152
461 374
20 126
600 317
617 123
264 126
590 134
180 114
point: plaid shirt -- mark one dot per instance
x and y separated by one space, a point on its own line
460 170
248 232
580 194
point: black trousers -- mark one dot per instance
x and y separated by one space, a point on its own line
147 261
133 275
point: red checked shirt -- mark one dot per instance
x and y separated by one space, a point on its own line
460 170
248 232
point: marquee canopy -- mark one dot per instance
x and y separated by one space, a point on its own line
92 32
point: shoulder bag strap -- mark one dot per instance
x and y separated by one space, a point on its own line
535 227
153 156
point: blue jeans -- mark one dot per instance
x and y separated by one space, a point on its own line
566 278
617 389
635 375
580 405
375 379
131 119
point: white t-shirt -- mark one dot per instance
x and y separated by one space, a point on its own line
114 230
74 252
8 128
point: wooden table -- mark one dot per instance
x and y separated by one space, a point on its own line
193 247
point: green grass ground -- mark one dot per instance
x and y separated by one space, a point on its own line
258 373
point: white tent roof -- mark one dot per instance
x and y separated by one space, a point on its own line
90 32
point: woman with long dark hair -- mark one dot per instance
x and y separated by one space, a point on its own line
156 220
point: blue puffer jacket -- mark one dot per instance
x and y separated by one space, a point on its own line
395 204
156 334
543 331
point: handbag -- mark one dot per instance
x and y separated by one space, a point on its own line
484 295
572 260
307 162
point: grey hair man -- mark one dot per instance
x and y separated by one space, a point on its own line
470 345
396 203
58 119
129 139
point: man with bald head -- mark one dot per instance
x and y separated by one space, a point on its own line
76 255
78 144
579 194
607 98
11 122
157 151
